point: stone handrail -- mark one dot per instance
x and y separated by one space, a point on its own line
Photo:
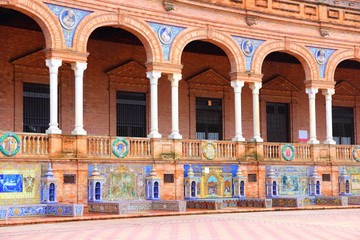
272 151
226 150
344 152
191 149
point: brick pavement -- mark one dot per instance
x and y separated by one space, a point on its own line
305 224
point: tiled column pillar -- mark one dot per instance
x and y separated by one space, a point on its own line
79 68
237 85
312 111
255 86
329 132
154 76
53 65
174 79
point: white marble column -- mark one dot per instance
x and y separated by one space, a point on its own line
79 68
154 76
53 65
174 79
255 87
237 85
329 131
312 112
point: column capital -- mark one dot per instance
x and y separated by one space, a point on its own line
79 68
328 92
237 85
255 87
174 78
53 64
153 76
311 92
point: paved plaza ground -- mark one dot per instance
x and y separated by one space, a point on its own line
304 224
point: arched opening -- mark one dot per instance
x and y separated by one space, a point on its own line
116 90
156 190
52 192
25 87
193 189
274 188
202 92
344 102
242 188
283 84
347 186
97 191
317 188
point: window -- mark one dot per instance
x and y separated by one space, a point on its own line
274 190
326 178
252 178
242 188
208 118
36 107
317 188
156 189
193 189
343 125
168 178
69 179
131 114
97 190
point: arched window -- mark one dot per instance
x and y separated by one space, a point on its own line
97 190
156 189
274 188
242 188
149 191
193 189
347 186
52 192
317 188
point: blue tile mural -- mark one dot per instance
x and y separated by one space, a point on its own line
322 56
69 19
248 47
166 35
11 183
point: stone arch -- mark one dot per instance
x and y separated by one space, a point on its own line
139 28
43 16
335 60
300 52
225 42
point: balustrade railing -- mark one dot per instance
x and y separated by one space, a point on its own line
34 144
226 150
272 151
191 149
344 152
140 147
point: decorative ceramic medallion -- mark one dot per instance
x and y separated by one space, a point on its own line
120 147
68 18
288 152
209 150
165 34
356 153
321 56
9 144
247 47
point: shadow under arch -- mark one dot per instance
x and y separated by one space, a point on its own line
44 17
139 28
226 43
300 52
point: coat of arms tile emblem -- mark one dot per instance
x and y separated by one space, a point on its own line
9 144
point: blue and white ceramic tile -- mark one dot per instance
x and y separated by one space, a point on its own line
69 19
166 35
321 56
248 47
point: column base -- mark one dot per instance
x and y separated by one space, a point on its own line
154 134
313 141
329 141
78 131
257 139
53 130
175 135
238 139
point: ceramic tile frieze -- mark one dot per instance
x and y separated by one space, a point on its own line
248 47
321 56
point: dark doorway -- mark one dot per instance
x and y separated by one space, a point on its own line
131 114
36 107
277 122
208 118
343 125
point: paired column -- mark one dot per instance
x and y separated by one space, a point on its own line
154 76
329 131
237 85
312 94
79 68
174 79
53 65
255 87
